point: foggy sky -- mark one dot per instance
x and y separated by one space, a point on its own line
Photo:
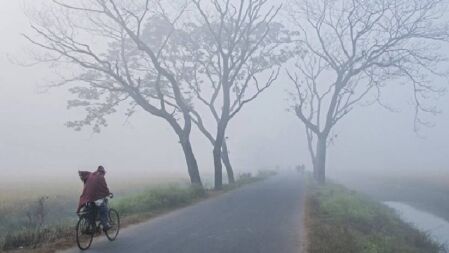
34 140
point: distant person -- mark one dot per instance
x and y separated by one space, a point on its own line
301 168
95 191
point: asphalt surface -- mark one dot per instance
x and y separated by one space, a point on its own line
264 217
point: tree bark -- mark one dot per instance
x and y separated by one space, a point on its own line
319 165
192 165
227 163
218 145
218 167
222 123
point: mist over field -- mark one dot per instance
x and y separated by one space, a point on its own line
35 144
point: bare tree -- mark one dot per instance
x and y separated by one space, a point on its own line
356 47
124 53
236 43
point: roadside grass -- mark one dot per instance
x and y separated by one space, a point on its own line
133 208
34 237
342 221
158 199
428 192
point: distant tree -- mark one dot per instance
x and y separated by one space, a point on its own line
354 48
235 44
124 51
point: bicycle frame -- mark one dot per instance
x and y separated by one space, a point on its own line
91 213
90 216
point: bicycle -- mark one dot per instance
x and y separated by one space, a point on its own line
89 225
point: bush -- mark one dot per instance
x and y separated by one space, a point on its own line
245 175
266 173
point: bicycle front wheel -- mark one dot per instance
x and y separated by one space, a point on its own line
114 221
84 233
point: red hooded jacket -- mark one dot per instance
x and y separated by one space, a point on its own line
95 187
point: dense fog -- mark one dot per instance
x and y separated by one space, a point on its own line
36 144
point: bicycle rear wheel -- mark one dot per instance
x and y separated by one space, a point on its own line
114 221
84 233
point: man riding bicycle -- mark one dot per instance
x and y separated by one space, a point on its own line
95 191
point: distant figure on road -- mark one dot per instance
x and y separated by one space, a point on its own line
301 168
95 191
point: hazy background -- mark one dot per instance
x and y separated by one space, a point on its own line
35 144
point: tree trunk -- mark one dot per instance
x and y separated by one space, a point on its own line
319 165
227 163
192 165
222 124
218 167
217 157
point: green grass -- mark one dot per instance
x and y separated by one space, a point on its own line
428 192
158 199
342 221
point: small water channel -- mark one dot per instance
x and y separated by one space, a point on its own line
436 227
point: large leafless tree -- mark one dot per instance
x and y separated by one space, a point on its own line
355 48
237 55
125 54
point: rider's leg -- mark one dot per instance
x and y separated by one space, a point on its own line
91 214
103 209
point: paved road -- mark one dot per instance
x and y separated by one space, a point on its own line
265 217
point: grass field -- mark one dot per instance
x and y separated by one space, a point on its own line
19 202
342 221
